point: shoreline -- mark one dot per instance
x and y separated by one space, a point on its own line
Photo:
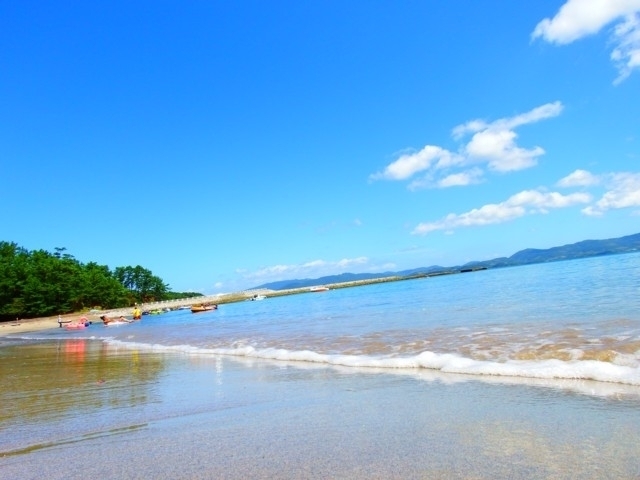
45 323
33 324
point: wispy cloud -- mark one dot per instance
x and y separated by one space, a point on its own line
492 144
409 164
579 18
461 179
315 268
623 191
495 142
527 202
578 178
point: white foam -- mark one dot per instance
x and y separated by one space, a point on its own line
444 362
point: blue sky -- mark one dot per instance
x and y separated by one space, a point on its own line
223 145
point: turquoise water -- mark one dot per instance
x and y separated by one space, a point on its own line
576 319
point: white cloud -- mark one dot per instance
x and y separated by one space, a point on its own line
622 189
495 142
626 55
624 192
492 144
315 268
499 149
579 178
314 264
548 110
469 177
527 202
410 164
579 18
272 271
348 262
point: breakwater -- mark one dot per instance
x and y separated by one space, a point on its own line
222 298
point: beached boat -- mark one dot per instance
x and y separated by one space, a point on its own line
203 308
318 289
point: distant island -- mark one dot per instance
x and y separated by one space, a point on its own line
583 249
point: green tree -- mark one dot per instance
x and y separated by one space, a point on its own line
145 286
101 288
51 284
13 274
39 283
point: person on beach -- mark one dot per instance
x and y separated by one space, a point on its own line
137 313
61 321
82 322
106 320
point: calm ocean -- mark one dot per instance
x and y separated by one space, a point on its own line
577 319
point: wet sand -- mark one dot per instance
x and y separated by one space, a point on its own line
78 409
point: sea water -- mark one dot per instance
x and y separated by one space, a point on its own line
577 319
523 372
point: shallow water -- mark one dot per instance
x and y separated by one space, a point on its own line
117 413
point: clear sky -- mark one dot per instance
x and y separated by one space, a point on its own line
223 145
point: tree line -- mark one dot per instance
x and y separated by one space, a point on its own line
39 283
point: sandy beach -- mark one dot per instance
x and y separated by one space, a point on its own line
45 323
32 324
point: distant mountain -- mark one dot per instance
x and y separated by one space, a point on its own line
586 248
310 282
583 249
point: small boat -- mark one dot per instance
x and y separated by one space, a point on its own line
319 289
203 308
258 297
